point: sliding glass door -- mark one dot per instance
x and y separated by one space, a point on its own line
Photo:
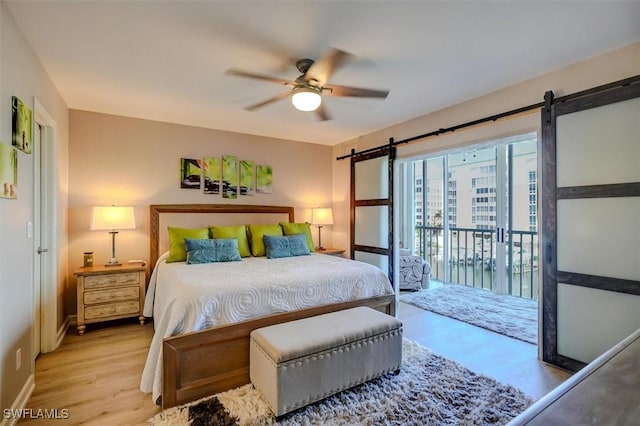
521 237
472 215
475 212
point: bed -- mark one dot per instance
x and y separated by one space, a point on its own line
203 314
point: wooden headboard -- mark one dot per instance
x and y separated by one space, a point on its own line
157 209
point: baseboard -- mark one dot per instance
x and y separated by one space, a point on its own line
71 319
20 403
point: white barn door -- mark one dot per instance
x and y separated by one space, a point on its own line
372 209
591 222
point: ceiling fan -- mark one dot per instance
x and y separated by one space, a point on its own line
307 90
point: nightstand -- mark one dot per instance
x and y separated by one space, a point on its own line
331 252
110 292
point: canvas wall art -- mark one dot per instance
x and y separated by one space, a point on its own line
264 179
190 171
229 176
21 125
247 177
211 172
8 171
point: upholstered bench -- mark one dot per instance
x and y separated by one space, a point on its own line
296 363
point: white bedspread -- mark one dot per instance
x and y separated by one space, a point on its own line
185 298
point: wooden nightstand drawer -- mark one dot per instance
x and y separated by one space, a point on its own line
111 295
111 280
111 310
108 293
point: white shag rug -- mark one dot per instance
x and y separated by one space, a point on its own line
429 390
509 315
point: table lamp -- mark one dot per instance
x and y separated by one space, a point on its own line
112 218
319 218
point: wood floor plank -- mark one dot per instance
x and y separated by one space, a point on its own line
505 359
97 376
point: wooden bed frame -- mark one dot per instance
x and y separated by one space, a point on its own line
206 362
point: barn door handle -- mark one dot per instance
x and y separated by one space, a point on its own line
549 253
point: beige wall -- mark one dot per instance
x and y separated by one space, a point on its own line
127 161
612 66
22 75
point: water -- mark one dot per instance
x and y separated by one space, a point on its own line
477 276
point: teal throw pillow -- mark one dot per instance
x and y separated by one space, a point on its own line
292 245
212 250
299 228
237 232
257 232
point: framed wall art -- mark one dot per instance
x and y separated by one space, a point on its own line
8 171
229 176
211 172
190 172
247 177
264 179
21 126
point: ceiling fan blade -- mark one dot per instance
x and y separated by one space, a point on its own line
322 114
324 67
358 92
268 101
247 74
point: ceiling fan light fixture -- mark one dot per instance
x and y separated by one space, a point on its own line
306 98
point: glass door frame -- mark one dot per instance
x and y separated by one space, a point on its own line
504 245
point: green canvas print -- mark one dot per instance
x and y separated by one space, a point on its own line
247 177
229 176
211 172
21 126
264 179
190 172
8 171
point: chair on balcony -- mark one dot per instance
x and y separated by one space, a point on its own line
415 272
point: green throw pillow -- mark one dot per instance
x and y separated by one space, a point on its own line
237 232
177 250
299 228
259 231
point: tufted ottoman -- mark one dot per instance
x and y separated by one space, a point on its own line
299 362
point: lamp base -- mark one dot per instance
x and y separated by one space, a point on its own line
113 262
320 249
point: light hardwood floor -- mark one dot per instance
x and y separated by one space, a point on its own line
97 376
505 359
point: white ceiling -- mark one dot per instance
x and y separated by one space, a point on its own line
165 60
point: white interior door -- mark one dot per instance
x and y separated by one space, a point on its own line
37 271
45 227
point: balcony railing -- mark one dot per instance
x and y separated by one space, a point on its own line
472 258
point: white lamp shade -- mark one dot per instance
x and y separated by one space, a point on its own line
306 99
112 218
322 216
